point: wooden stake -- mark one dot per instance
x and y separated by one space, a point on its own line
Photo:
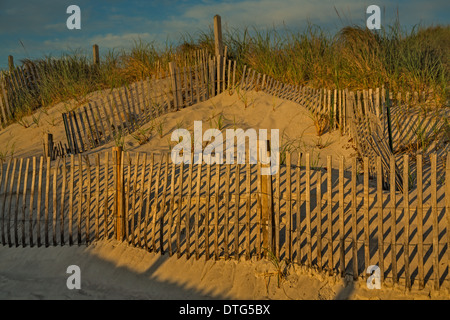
435 221
406 214
394 220
420 221
330 213
342 218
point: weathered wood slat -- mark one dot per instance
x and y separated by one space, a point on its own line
420 221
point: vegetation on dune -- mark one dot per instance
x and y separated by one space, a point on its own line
354 58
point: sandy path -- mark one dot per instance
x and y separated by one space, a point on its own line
112 270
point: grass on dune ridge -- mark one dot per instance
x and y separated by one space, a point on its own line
354 58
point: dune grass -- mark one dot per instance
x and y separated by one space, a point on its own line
354 58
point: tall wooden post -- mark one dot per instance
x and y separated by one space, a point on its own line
267 207
11 63
96 54
119 194
218 45
49 147
218 48
173 79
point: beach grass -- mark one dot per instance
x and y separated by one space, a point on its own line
355 58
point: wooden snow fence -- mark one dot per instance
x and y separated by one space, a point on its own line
124 110
333 218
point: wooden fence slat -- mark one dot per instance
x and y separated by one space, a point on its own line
217 210
179 208
71 121
97 196
143 101
46 202
5 191
82 145
184 97
4 93
80 197
149 202
93 137
157 214
191 87
106 198
161 213
341 217
88 201
16 207
277 214
197 81
234 74
132 195
138 241
247 210
308 211
218 68
128 197
435 222
106 136
380 230
259 226
125 112
298 214
227 210
31 206
38 215
207 213
406 215
197 210
237 182
288 252
319 217
447 209
131 113
188 208
355 220
420 221
330 213
24 201
55 195
68 133
393 219
366 216
155 204
171 208
71 189
2 107
112 113
96 131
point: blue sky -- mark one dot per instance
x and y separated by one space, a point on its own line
32 29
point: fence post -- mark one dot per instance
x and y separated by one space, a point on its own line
119 195
173 74
218 45
49 147
11 63
96 54
267 206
